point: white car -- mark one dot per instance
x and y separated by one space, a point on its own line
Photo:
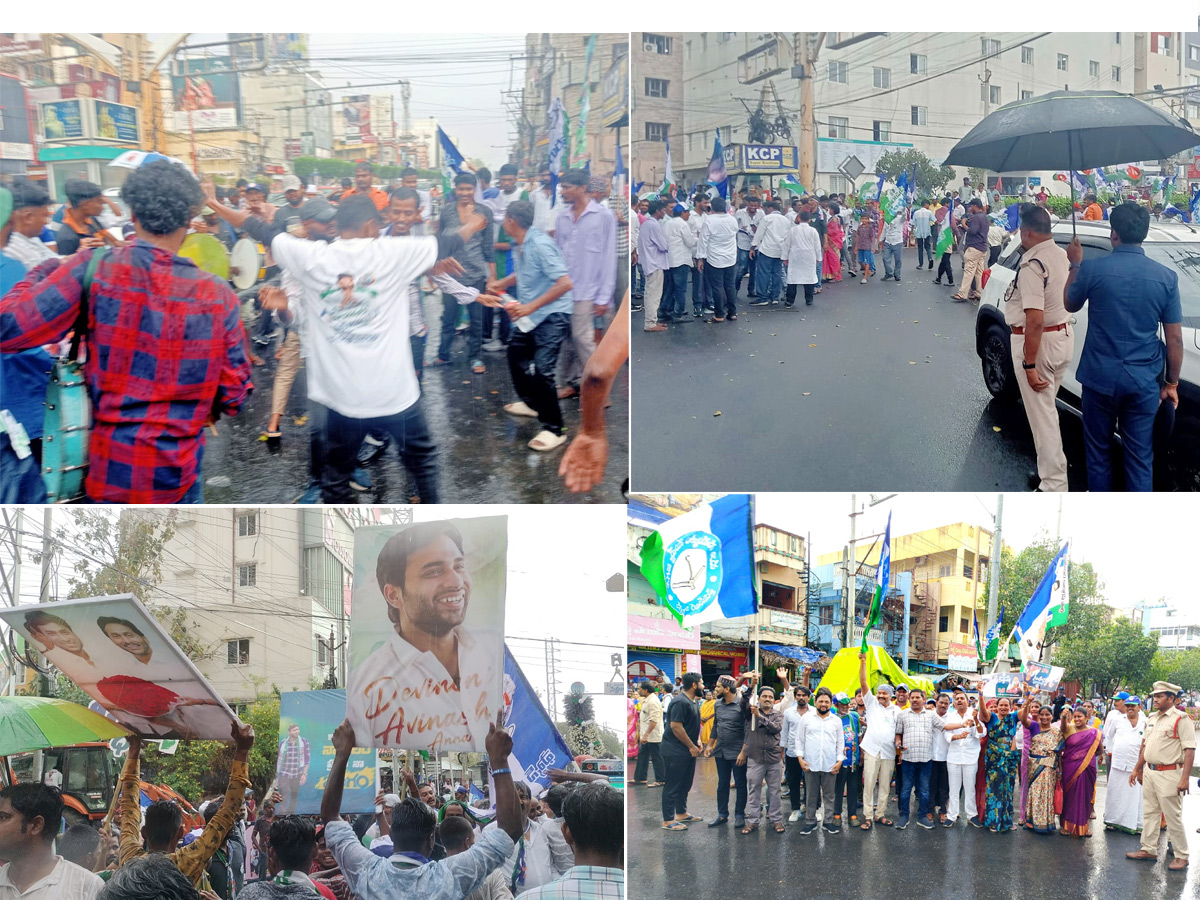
1173 244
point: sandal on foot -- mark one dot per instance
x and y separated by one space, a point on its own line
749 829
520 408
675 826
546 441
866 825
884 820
779 829
690 818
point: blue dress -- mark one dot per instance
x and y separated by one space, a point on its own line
1002 765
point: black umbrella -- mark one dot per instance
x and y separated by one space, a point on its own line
1078 129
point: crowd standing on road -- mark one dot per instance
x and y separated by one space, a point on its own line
1001 764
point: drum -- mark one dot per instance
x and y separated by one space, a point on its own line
207 252
66 428
247 258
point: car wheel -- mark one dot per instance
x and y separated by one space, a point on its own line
996 358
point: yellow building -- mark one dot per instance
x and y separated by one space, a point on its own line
949 571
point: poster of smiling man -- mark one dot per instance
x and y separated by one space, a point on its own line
115 650
427 634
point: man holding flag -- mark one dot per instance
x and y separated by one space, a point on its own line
945 243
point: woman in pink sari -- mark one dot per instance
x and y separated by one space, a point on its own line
831 268
1082 742
631 729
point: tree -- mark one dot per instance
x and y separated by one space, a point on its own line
1181 667
1117 654
930 178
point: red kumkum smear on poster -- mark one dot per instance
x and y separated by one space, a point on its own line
134 695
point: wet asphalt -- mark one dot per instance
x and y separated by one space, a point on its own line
961 863
483 457
874 387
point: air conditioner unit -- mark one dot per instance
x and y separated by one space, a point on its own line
649 47
763 566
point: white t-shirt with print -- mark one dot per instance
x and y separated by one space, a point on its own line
355 296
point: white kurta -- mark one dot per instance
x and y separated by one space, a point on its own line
1123 802
802 252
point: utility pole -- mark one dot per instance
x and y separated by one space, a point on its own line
994 589
851 578
807 49
47 555
986 80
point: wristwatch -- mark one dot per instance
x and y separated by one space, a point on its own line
1027 366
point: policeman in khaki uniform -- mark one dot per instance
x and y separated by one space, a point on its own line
1164 767
1042 346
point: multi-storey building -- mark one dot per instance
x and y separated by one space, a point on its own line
657 97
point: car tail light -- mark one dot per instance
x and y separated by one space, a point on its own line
983 279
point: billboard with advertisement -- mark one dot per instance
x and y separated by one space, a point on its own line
307 720
61 120
287 46
206 95
116 122
381 116
14 112
832 152
614 108
962 658
356 115
761 159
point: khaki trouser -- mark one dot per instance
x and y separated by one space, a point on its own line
579 349
974 262
285 372
1054 355
651 297
1160 797
877 773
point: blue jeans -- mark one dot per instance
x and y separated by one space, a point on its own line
770 279
891 259
677 276
744 265
1134 411
915 774
701 295
866 260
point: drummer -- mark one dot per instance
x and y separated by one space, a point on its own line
81 229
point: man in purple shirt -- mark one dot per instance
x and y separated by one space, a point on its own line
975 257
586 233
652 255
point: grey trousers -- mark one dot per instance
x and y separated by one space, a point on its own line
822 785
756 772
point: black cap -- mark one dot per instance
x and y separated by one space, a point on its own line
318 210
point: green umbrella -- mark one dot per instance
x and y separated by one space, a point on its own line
36 723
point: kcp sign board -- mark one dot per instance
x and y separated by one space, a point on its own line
762 159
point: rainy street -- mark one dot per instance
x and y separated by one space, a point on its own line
961 863
483 457
874 387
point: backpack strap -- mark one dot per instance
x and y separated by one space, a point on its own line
81 321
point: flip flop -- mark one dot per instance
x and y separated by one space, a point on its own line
520 408
884 820
749 829
675 826
547 441
656 784
690 818
866 826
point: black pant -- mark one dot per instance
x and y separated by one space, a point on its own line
532 361
725 768
343 436
924 249
722 288
647 754
679 773
939 785
809 293
993 255
499 315
850 781
944 268
795 781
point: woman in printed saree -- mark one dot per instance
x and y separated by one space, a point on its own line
1123 800
631 728
1003 761
1028 730
1044 747
834 237
1080 745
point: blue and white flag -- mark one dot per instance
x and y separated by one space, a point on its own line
476 791
1030 630
716 168
453 164
993 637
1101 183
879 188
1080 183
556 130
902 185
702 563
537 745
1194 206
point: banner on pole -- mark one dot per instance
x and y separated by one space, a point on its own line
304 756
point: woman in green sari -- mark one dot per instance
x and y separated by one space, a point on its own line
1043 769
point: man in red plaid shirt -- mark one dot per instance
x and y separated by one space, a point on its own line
166 346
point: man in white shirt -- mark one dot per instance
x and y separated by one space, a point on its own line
681 241
768 248
532 863
749 217
543 209
792 714
922 225
30 213
878 747
893 246
408 179
962 733
717 255
433 676
701 296
1115 717
820 745
30 817
939 778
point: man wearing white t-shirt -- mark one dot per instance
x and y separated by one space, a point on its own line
355 295
962 734
878 747
30 817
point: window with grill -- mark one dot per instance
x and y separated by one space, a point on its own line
247 575
657 131
963 625
839 72
656 43
656 87
323 653
882 78
1026 95
990 92
826 615
918 115
248 525
944 571
839 127
237 653
838 184
1193 52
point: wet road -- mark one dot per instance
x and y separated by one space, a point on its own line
483 457
962 863
874 387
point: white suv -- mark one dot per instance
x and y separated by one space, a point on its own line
1172 244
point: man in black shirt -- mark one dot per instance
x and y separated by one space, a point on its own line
728 735
680 747
1060 700
79 227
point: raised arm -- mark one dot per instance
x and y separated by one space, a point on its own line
129 809
862 675
193 859
331 800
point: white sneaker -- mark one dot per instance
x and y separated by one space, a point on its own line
495 345
795 817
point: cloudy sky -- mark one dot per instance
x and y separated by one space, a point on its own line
456 78
1140 545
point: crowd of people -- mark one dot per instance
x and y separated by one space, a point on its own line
1028 762
431 843
346 290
